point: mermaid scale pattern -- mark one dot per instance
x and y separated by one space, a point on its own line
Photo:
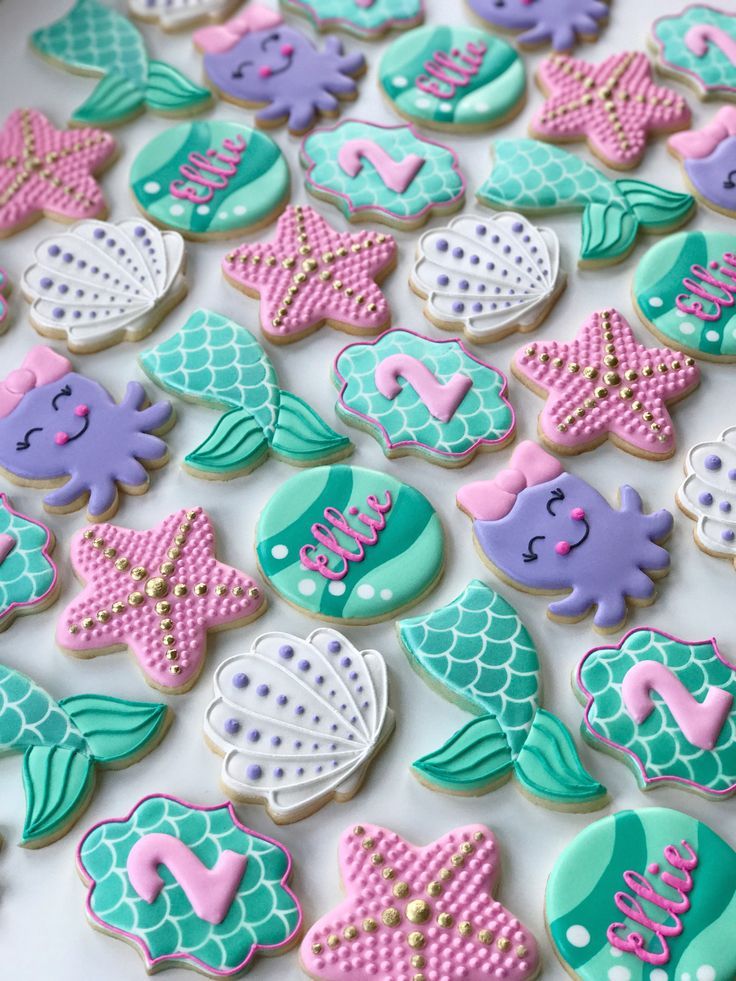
27 574
710 67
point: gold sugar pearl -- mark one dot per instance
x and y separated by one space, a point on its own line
138 573
370 925
388 873
434 889
103 616
163 607
368 843
220 590
135 599
121 564
445 920
317 948
416 940
88 623
503 944
418 911
358 830
466 848
401 889
350 933
180 589
157 587
418 960
465 929
376 859
333 941
166 624
391 917
117 607
200 589
485 936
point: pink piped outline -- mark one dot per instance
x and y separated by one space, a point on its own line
9 612
399 221
156 963
705 91
375 425
349 27
617 747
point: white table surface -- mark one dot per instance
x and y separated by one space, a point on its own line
43 933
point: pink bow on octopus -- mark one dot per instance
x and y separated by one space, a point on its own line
489 500
40 366
222 37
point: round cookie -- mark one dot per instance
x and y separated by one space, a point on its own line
708 160
644 895
212 179
698 46
561 23
367 19
350 545
454 78
708 494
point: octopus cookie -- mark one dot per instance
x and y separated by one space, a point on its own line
49 173
530 535
708 494
490 276
63 430
64 743
223 901
476 652
310 275
605 385
537 177
665 707
644 895
350 545
214 361
708 160
29 579
431 398
298 722
454 78
408 907
255 60
698 46
368 19
177 15
614 106
382 173
157 593
561 23
212 179
102 282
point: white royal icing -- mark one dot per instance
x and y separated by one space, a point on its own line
174 14
708 492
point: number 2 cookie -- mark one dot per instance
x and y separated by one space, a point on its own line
698 46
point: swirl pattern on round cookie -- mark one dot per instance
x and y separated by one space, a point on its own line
368 19
699 45
708 494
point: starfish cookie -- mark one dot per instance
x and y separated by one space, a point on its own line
311 275
47 172
604 383
614 106
409 907
157 592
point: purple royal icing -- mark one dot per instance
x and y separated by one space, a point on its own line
543 21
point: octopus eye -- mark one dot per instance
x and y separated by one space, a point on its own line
729 182
530 555
238 73
557 495
64 393
270 40
25 443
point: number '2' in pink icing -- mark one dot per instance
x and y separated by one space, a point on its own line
454 70
210 891
727 289
701 722
442 400
327 538
700 36
397 175
204 170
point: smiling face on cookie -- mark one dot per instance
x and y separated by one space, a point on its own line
262 66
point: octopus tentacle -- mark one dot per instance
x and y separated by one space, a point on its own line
68 493
103 493
611 610
135 396
154 417
573 606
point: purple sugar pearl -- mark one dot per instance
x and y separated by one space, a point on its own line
334 647
254 772
253 736
712 462
457 252
725 506
263 690
732 474
241 680
281 699
232 726
304 665
278 772
443 280
443 245
727 535
706 499
286 651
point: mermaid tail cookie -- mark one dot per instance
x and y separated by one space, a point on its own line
64 742
214 360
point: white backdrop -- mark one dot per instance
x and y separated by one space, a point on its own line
43 933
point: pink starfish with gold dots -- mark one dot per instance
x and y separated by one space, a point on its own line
413 913
310 275
157 592
614 106
47 171
604 383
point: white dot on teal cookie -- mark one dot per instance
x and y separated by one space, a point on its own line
658 975
365 591
445 107
480 107
712 335
280 551
687 328
400 81
239 209
386 594
307 587
615 952
152 187
222 215
619 973
706 973
336 588
578 936
203 209
176 209
655 301
422 103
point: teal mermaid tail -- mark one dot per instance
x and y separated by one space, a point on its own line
536 177
479 654
64 742
94 40
215 361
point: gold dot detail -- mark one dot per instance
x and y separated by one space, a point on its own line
391 917
401 889
416 940
418 911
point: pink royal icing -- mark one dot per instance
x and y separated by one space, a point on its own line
700 36
397 175
711 287
446 73
490 500
211 171
441 398
701 143
320 562
40 366
222 37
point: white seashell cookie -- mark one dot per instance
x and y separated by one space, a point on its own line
492 275
99 282
175 15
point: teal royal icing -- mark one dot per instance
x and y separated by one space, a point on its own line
710 63
368 20
28 576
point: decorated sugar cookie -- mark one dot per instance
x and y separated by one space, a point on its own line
298 722
455 78
536 177
29 579
684 291
176 15
652 692
708 494
4 294
93 39
561 23
210 179
309 275
604 384
417 395
104 282
447 915
350 545
157 592
64 743
491 276
614 106
189 886
708 159
215 361
382 173
698 46
49 173
369 19
63 430
256 60
645 895
476 652
546 531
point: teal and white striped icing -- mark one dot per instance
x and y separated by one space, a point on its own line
264 913
581 905
368 20
402 565
485 86
27 574
713 71
483 419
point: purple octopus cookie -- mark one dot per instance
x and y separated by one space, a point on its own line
708 157
62 430
561 23
256 60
